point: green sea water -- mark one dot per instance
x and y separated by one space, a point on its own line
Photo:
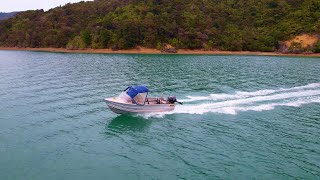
244 117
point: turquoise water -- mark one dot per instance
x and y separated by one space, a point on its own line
244 117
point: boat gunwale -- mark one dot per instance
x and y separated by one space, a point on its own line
137 110
131 104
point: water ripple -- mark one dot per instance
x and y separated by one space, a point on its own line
245 117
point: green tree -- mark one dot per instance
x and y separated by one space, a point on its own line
76 43
317 47
86 38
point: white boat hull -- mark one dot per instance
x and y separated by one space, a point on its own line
126 108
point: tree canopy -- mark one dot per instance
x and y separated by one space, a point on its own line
253 25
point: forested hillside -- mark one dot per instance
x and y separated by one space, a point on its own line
4 16
253 25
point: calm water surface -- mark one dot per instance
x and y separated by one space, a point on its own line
244 117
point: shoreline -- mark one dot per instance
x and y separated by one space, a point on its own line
155 51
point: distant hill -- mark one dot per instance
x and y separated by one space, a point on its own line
234 25
4 16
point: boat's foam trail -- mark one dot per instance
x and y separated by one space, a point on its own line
249 101
242 94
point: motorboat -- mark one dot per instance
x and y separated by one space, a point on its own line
135 100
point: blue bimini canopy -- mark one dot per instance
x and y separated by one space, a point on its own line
133 91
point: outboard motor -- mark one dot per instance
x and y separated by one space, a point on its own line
172 100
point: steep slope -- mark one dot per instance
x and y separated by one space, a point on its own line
193 24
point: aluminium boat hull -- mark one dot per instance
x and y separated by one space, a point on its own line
126 108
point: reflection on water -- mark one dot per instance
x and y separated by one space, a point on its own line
126 123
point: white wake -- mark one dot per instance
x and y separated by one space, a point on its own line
242 94
239 101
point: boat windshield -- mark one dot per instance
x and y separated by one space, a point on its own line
140 98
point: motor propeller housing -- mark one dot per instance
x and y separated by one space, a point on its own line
172 100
